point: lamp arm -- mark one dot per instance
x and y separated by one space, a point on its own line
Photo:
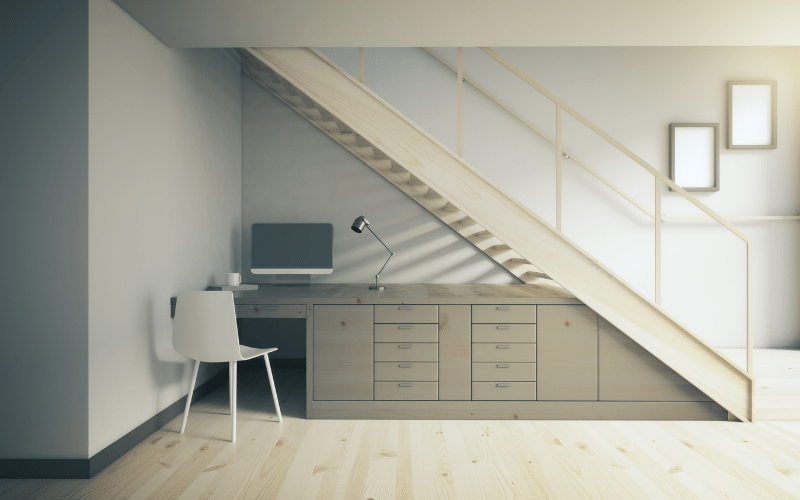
387 248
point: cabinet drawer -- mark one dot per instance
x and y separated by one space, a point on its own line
406 390
407 351
407 332
270 311
517 372
404 313
504 333
503 391
504 314
393 370
520 353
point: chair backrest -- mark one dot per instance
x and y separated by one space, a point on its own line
205 326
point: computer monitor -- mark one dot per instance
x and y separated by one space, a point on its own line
292 248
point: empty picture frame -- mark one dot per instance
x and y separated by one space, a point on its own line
752 114
694 156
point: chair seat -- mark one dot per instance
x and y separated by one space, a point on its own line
252 352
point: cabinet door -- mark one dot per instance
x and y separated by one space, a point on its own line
343 347
567 353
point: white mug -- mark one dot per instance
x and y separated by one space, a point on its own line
234 279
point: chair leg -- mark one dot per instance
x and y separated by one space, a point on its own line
232 387
189 397
272 386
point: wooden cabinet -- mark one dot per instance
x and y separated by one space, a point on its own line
567 353
343 352
455 346
504 352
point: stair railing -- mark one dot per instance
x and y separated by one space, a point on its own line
659 179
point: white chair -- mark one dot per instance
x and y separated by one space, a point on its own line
205 330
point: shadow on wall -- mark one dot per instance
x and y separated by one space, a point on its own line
426 251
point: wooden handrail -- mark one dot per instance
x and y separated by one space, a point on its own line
658 175
660 179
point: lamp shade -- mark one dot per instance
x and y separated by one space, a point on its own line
359 224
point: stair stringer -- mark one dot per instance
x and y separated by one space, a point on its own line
423 164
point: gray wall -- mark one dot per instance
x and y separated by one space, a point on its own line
165 209
43 221
633 93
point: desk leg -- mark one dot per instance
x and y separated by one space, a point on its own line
309 360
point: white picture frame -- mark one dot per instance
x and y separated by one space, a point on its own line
752 114
694 156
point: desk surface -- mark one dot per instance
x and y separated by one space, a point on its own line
341 293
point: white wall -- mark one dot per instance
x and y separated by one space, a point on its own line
43 230
164 209
633 94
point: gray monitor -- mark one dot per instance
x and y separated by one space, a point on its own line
292 248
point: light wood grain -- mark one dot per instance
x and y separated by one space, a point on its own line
436 459
503 352
406 332
455 352
406 391
567 342
498 372
406 351
503 314
343 352
629 373
514 332
405 313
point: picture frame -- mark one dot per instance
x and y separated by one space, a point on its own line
752 114
694 156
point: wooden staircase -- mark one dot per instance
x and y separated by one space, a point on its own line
481 212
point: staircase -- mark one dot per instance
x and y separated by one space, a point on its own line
481 212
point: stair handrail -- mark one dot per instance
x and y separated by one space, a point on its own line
658 176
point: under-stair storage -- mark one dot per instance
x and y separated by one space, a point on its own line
502 228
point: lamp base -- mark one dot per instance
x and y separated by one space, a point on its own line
377 288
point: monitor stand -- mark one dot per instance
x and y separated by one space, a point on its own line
293 279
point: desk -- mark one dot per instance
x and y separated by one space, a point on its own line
470 351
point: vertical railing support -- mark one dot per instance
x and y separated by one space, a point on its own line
750 308
361 64
657 219
460 75
559 155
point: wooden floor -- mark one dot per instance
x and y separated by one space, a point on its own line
777 374
434 459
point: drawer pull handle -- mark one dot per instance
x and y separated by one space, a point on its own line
404 366
270 308
404 346
503 327
405 327
504 346
503 384
503 308
405 384
405 308
504 366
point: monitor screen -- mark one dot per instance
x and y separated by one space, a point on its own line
292 248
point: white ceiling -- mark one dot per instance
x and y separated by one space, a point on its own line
468 23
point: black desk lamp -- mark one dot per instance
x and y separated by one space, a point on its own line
358 226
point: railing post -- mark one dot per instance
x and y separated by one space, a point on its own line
460 74
361 64
750 308
657 219
559 155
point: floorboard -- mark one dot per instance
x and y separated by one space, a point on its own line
434 459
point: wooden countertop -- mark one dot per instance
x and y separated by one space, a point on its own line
411 293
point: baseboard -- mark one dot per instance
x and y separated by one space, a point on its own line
85 468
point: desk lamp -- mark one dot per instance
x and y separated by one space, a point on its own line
358 226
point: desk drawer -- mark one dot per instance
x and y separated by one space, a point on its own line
404 313
509 353
270 311
504 333
392 370
504 372
406 390
407 332
504 314
385 351
503 391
